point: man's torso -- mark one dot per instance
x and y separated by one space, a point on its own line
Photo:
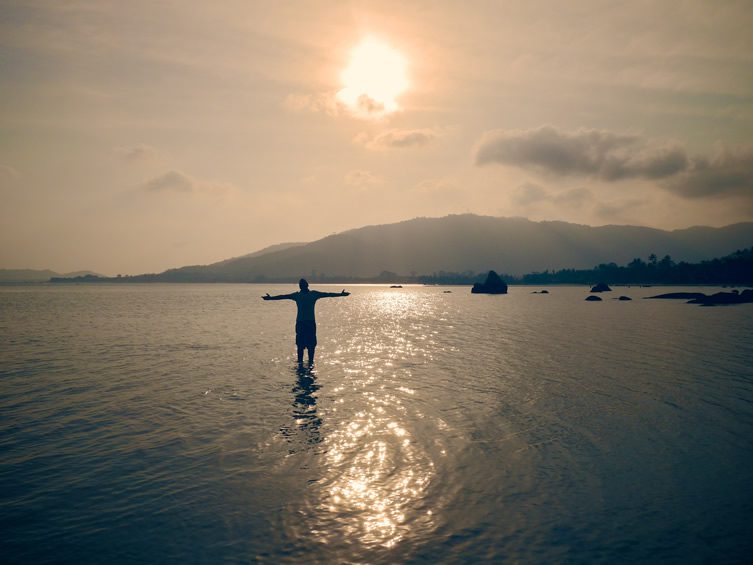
305 302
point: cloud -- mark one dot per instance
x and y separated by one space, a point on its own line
586 152
367 107
611 157
325 103
397 139
434 187
575 197
362 179
329 103
174 181
137 153
8 172
616 210
529 193
727 173
178 182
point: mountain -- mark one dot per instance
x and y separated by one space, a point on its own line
270 249
467 242
35 275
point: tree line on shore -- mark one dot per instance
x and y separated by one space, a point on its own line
733 269
736 268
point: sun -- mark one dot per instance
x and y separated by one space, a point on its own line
375 77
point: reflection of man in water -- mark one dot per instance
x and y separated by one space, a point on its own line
305 321
307 421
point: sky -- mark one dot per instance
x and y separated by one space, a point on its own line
140 136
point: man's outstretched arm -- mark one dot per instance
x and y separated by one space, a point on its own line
333 294
278 297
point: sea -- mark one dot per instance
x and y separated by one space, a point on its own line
161 423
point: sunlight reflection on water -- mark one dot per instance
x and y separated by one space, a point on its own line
376 476
376 473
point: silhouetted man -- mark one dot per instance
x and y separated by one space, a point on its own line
305 321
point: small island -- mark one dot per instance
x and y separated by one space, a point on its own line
716 299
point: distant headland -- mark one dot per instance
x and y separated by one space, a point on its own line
734 269
461 249
38 275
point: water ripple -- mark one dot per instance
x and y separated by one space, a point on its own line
170 420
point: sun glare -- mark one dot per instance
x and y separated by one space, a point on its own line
374 78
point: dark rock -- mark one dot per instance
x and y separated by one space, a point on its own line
624 298
396 286
593 298
721 298
601 287
679 295
447 291
544 292
492 285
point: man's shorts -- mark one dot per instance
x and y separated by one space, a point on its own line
305 333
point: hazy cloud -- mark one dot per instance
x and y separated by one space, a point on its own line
616 210
529 193
176 181
587 152
362 179
367 107
575 197
8 172
727 173
325 103
138 153
171 181
434 187
328 103
397 139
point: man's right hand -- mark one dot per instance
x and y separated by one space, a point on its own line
266 297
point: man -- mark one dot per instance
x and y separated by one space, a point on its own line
305 321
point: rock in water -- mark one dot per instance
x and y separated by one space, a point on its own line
679 295
734 297
492 285
593 298
624 298
601 287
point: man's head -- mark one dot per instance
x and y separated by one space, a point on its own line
303 284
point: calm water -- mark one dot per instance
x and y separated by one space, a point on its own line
166 423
